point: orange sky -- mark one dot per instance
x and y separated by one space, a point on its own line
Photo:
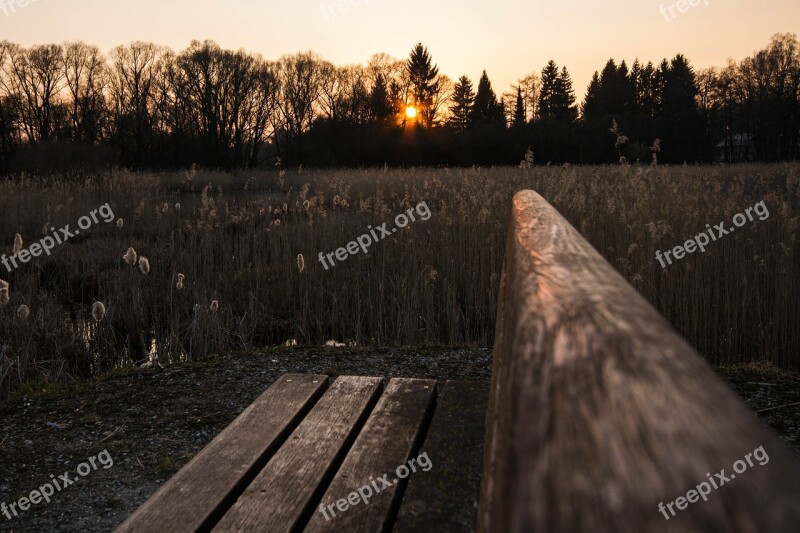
509 38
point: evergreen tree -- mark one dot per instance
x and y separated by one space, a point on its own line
635 82
380 104
680 116
648 91
557 97
486 108
422 76
519 118
547 94
608 90
591 103
463 98
566 110
680 89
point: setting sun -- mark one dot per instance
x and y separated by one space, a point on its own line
411 112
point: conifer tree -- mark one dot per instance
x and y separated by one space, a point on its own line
423 79
519 118
463 99
486 108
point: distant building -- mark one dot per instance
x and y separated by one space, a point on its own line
736 148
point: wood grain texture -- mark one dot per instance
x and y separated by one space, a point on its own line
390 436
599 410
446 497
195 497
281 496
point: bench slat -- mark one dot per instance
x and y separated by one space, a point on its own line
198 494
390 436
454 444
281 495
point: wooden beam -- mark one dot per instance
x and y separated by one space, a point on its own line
599 410
282 496
391 435
195 497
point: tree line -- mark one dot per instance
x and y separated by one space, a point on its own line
143 106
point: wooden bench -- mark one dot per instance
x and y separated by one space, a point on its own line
599 410
307 442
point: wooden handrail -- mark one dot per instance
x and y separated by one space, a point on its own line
600 411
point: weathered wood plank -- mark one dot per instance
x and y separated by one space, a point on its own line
281 496
446 497
393 432
196 496
600 411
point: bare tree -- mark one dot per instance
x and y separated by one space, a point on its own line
530 86
300 77
34 78
132 89
438 111
85 74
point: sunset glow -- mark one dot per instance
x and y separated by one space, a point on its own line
463 41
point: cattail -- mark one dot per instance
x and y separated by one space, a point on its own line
4 298
301 262
656 146
130 256
23 312
120 223
98 311
214 306
17 243
144 265
181 278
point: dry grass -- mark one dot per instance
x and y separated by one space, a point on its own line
236 240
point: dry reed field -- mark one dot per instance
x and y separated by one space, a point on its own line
223 269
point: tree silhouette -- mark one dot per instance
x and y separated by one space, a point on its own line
557 97
145 106
380 104
519 118
461 109
423 83
486 109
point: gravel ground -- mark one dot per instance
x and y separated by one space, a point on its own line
153 421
